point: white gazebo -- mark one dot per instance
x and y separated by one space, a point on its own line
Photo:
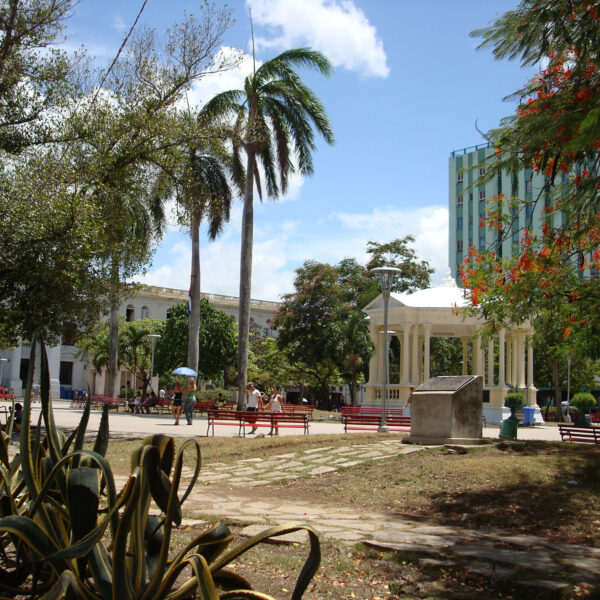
505 363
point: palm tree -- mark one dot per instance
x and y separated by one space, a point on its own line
207 197
275 115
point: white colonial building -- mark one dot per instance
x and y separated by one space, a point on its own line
68 372
505 362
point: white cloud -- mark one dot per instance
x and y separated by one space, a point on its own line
118 23
280 247
338 28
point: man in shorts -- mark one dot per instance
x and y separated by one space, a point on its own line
254 399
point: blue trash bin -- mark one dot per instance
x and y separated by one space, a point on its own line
528 414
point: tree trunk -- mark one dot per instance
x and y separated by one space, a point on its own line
245 280
557 389
113 352
194 316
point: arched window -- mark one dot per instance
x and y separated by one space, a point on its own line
168 313
130 313
145 312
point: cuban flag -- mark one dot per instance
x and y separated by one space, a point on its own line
189 304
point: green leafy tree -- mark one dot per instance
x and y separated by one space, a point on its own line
217 341
135 346
275 115
554 131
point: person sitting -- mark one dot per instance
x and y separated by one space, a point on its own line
17 421
149 402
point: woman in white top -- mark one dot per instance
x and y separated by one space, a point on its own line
275 405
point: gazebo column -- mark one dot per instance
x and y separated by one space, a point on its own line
531 389
465 355
427 369
478 357
509 359
521 359
420 360
501 363
405 355
515 361
490 365
414 376
373 363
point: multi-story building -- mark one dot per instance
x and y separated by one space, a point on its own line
69 372
470 201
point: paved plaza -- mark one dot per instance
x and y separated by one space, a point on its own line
224 492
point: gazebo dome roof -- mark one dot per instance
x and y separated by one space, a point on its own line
446 295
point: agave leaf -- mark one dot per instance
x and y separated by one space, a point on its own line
33 537
310 566
201 581
46 402
4 443
80 431
101 443
229 580
160 486
209 544
166 448
100 567
244 595
64 588
25 443
153 537
83 493
122 584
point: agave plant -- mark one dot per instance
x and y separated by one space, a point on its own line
65 532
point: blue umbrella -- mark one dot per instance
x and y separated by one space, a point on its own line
185 371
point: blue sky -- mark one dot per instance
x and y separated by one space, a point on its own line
408 88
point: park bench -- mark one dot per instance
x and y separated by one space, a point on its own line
586 435
305 409
162 406
100 401
203 405
4 414
252 419
355 421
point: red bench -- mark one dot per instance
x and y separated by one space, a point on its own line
203 405
99 401
355 421
253 419
306 409
585 435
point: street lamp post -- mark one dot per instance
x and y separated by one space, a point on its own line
386 279
154 337
568 381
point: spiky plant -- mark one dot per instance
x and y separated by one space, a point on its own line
65 532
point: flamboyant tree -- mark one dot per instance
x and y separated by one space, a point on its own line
554 131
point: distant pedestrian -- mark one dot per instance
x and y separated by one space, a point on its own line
254 400
275 405
411 392
177 402
190 400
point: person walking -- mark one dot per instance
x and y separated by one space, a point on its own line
190 400
275 405
177 402
254 400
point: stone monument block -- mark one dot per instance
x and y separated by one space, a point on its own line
447 410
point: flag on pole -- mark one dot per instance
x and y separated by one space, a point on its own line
189 304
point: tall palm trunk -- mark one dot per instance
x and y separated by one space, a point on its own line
245 279
113 337
194 316
113 351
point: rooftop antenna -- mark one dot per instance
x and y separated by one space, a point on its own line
253 51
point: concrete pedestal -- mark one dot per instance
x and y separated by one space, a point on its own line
447 410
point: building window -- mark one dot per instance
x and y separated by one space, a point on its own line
564 177
528 186
482 242
459 178
470 219
482 171
459 245
470 196
168 313
459 200
482 194
459 222
130 313
145 312
515 238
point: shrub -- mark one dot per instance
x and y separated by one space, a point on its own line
514 400
583 401
65 531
